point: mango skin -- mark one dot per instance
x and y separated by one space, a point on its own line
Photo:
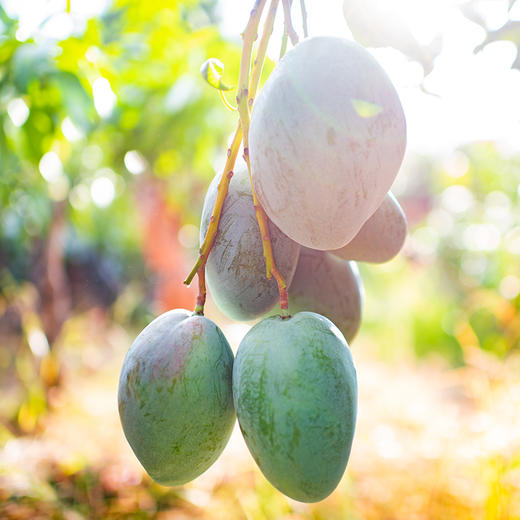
328 131
329 286
175 396
235 270
381 237
295 394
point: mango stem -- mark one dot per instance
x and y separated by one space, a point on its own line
249 36
304 18
201 298
245 100
223 186
288 26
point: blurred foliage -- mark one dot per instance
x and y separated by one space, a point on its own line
113 128
376 24
430 444
458 276
138 64
108 139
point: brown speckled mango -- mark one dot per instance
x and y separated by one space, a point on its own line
175 397
295 394
326 140
235 270
329 286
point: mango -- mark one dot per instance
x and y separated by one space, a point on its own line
175 396
329 286
235 270
295 394
381 237
326 140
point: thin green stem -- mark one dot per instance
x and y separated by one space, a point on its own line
289 29
245 102
304 19
249 36
283 48
261 52
223 186
227 104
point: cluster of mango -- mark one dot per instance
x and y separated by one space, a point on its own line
327 138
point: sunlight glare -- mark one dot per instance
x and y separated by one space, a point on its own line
79 197
512 241
38 342
104 97
189 236
102 191
18 111
58 27
70 130
510 287
457 199
481 237
135 163
50 166
457 164
466 97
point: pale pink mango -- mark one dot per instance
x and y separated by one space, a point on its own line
329 286
327 138
381 237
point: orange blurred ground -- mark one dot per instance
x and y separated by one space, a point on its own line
431 443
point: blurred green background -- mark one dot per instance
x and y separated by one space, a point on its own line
108 140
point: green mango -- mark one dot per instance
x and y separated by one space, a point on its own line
295 395
175 396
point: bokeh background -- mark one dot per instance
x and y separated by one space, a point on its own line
109 138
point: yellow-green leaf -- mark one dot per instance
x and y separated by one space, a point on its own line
212 71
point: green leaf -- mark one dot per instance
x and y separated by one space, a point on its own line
31 62
212 71
76 100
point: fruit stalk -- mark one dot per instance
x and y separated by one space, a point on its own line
201 298
283 47
262 49
249 36
205 248
288 26
304 19
245 101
